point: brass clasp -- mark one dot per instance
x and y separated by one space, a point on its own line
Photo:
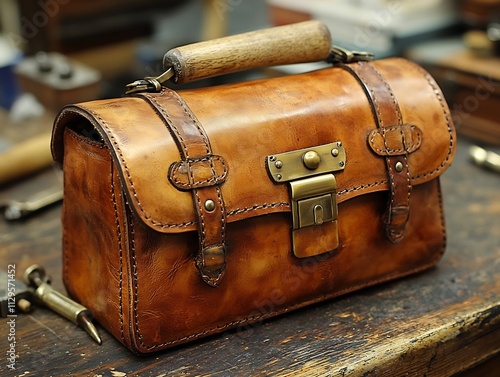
150 84
342 55
313 190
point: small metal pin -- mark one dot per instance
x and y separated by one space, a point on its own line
78 314
399 166
335 152
278 164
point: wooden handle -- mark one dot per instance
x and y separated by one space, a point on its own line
297 43
25 158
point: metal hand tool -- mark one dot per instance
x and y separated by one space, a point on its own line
34 276
15 296
15 210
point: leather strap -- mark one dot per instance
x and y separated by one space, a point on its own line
200 168
388 118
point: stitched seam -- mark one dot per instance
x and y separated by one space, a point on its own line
120 251
361 187
443 221
380 122
105 125
405 157
446 114
201 214
389 89
419 138
257 207
214 180
136 282
170 123
85 140
218 191
223 213
64 231
413 146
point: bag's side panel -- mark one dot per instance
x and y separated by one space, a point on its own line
172 305
93 233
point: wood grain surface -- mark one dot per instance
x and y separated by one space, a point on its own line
298 43
438 323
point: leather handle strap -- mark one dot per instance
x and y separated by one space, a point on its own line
194 145
388 118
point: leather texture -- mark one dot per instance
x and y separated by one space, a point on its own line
159 267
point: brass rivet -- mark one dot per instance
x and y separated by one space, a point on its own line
278 177
339 144
341 164
278 164
335 152
209 205
311 160
399 166
272 158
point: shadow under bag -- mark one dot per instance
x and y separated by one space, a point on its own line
190 212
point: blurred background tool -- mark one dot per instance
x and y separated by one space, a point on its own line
17 210
25 158
484 158
55 80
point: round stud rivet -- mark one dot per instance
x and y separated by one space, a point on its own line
278 177
399 166
311 160
335 152
209 205
341 164
272 158
339 144
278 164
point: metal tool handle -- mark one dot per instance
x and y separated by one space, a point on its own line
59 303
297 43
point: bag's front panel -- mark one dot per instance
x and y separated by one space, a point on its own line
172 305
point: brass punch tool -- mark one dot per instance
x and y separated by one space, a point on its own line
36 277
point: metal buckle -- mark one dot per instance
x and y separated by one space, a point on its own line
342 55
313 190
150 84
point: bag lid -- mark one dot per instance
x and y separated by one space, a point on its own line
249 121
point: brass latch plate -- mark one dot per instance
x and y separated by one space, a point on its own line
313 190
314 200
302 163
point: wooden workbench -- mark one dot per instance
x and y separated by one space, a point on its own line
438 323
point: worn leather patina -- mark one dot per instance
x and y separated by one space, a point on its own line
159 266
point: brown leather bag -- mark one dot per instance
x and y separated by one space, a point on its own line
193 212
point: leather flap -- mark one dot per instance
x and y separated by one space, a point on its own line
247 122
